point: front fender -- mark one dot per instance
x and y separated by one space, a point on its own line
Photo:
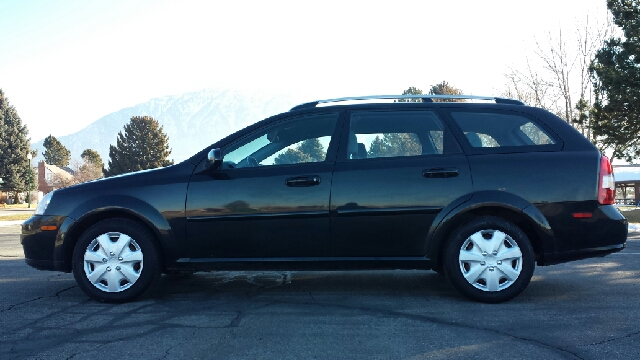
104 207
488 202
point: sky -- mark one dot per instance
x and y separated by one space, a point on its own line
66 63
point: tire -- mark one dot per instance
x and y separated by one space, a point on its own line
115 260
489 260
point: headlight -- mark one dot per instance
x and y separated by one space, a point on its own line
42 206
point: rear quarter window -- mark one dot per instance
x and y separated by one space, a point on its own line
488 131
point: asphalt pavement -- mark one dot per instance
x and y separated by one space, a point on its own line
581 310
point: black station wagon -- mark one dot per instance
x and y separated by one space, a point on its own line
477 191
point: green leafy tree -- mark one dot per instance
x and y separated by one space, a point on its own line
143 145
55 153
615 71
14 147
310 150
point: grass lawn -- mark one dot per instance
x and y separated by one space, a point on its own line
22 215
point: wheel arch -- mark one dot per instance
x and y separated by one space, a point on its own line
98 210
490 203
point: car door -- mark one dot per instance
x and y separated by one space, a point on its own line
396 171
270 196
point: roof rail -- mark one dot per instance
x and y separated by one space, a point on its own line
424 98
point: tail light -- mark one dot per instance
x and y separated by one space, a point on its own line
606 184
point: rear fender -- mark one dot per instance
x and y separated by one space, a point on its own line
494 202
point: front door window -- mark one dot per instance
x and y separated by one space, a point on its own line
303 140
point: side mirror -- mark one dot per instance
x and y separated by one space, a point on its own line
215 158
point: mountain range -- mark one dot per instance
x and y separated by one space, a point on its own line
192 120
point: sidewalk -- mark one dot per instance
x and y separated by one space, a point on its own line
14 211
11 223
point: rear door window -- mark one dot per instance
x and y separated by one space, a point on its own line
383 134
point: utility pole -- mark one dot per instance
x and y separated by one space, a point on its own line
29 156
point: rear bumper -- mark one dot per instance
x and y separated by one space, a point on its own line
576 239
557 258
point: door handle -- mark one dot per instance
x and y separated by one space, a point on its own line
440 173
303 181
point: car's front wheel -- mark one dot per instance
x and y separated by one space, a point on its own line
115 260
489 259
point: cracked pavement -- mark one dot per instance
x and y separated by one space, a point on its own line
580 310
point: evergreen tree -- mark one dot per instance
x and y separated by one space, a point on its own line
395 144
143 145
55 153
616 77
291 156
92 156
310 150
313 149
14 147
378 148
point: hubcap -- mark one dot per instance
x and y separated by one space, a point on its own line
113 262
490 260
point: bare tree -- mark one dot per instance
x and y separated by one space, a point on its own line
83 171
528 86
560 74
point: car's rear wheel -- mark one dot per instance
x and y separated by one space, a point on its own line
489 259
115 260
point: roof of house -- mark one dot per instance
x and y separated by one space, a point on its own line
626 173
63 172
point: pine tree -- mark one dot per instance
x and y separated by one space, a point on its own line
616 77
313 149
395 144
14 147
55 153
92 156
310 150
291 156
378 148
143 145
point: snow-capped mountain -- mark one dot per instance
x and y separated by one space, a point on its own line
192 120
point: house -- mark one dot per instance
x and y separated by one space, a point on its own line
51 177
627 179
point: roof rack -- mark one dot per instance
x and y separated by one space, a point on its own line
424 98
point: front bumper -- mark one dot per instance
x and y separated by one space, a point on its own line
38 244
